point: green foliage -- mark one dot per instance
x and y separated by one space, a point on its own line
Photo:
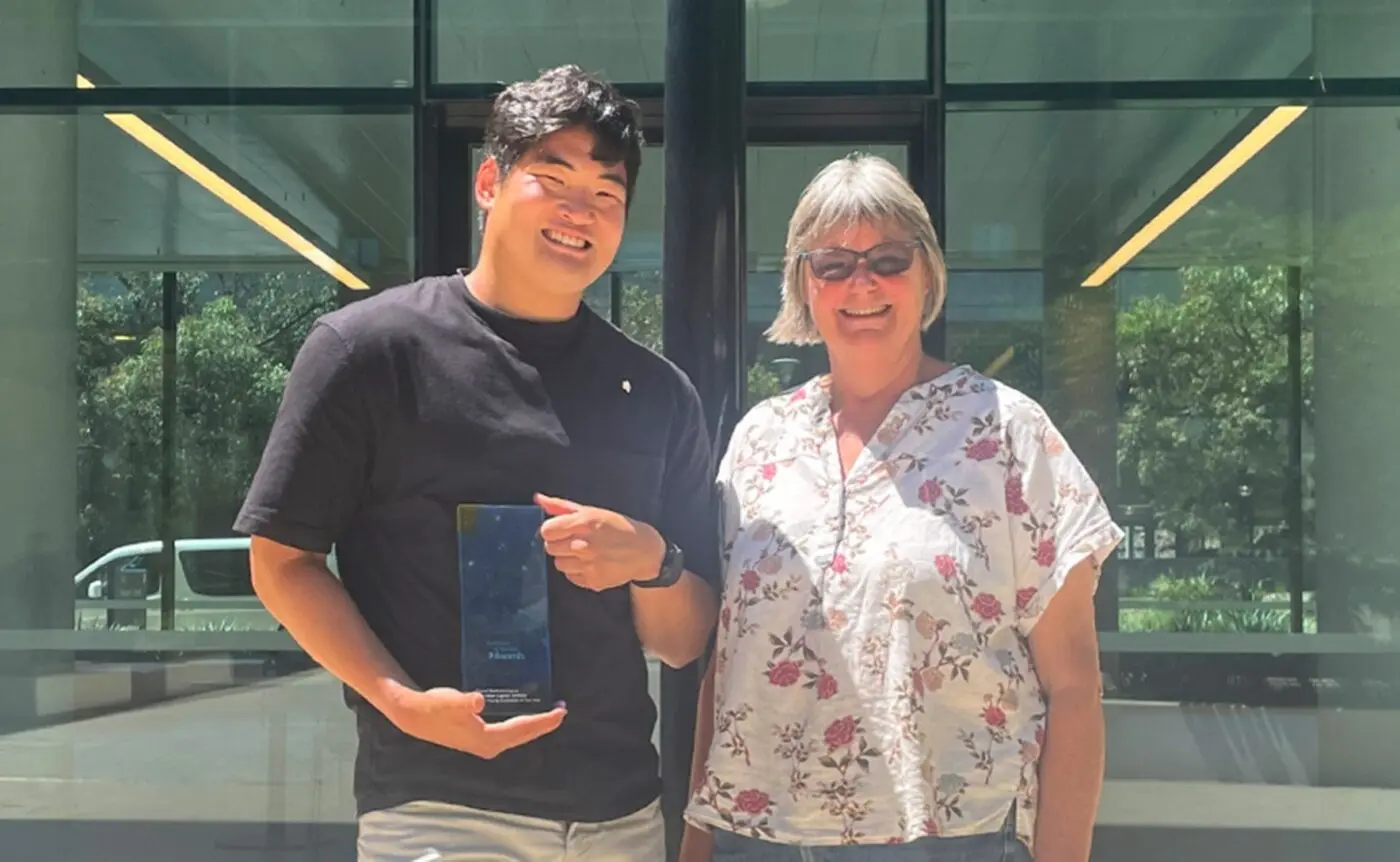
763 382
1204 587
1208 399
641 314
234 345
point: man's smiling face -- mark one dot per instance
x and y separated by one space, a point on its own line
558 214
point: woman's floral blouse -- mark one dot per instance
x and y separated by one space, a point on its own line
873 679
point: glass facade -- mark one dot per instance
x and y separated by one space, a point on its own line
1173 225
1015 41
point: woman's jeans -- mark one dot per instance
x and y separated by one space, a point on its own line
999 846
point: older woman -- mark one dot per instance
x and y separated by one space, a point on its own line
906 665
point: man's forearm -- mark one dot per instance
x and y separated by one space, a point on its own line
674 622
312 604
1071 777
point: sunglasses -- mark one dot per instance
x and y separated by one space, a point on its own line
839 264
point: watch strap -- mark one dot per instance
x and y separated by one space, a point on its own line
672 567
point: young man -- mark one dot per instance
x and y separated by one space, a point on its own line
498 386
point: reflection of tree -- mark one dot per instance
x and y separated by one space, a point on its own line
1208 399
235 342
641 319
1204 430
641 311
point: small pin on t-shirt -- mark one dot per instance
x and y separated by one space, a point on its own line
627 386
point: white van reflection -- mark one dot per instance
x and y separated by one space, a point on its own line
213 588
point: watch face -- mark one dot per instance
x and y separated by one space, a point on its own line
672 565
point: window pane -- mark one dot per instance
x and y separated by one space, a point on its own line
342 181
1222 385
208 43
151 320
1133 40
776 176
789 40
1146 370
217 572
808 40
486 41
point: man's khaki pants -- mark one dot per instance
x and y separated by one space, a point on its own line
437 832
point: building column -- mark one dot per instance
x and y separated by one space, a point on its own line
1356 567
703 297
38 340
1356 295
1355 474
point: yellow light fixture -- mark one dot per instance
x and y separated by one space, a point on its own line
153 140
1259 137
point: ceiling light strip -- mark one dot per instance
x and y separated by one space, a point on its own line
146 134
1259 137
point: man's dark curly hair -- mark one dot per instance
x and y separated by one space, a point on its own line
526 112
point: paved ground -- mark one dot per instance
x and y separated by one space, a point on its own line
263 773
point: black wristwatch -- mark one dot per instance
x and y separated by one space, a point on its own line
672 567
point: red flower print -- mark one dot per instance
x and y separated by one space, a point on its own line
1045 552
930 491
784 674
838 564
841 733
946 565
984 449
930 827
1040 736
994 716
1024 597
752 801
987 606
769 471
724 617
826 687
1015 497
749 580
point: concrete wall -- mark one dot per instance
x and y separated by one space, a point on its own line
38 341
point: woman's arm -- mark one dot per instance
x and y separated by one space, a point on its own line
697 844
1064 646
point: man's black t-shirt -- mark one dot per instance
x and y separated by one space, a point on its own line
405 404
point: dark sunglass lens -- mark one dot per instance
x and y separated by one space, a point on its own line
891 259
833 265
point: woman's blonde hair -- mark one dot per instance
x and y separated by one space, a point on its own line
859 188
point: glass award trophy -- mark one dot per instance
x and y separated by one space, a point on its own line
503 570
